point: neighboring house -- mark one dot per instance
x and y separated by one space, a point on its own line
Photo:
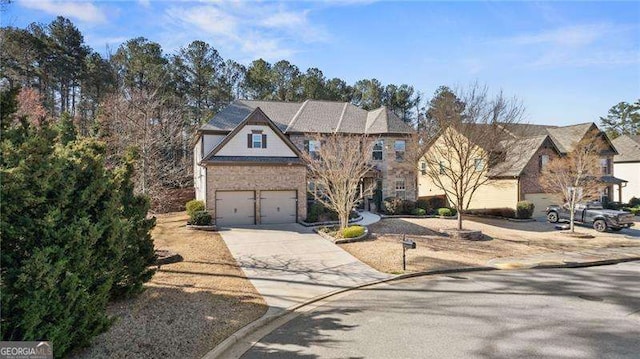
516 178
626 164
247 164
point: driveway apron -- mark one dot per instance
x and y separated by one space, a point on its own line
289 264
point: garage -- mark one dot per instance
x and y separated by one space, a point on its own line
278 207
235 208
541 202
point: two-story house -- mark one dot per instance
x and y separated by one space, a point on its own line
536 146
247 164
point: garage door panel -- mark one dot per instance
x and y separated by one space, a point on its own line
235 208
278 207
542 201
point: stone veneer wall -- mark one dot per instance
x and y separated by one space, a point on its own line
257 178
390 168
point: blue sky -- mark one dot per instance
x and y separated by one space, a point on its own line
568 62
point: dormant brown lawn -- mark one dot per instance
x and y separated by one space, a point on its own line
188 307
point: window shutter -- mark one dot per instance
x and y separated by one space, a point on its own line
249 142
264 141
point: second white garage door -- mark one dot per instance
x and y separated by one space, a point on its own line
542 201
235 208
278 207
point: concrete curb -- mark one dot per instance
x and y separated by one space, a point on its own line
269 318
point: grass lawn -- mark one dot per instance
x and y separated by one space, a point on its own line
506 239
188 307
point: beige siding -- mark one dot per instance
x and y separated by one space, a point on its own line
629 172
493 194
237 146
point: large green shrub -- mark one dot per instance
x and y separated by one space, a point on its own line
524 209
194 206
352 232
419 212
392 205
447 212
423 203
317 212
634 202
73 236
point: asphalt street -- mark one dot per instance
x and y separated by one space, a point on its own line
555 313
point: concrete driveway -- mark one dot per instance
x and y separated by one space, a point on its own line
289 264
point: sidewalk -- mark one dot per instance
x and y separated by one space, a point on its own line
568 258
367 218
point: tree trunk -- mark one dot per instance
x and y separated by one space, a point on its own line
459 220
344 219
572 208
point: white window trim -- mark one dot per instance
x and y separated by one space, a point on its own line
254 142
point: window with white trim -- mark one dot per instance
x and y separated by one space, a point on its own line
378 147
400 188
478 164
399 146
256 140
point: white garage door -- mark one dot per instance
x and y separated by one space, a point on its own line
542 201
278 207
235 208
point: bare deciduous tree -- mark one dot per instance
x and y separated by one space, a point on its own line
469 145
336 170
146 121
577 175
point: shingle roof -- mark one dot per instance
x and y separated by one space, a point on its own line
517 156
311 116
628 147
567 136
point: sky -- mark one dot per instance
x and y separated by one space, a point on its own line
568 62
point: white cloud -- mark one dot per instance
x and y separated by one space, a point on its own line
82 11
578 35
256 29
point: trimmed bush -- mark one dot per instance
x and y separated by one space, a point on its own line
423 203
317 212
419 212
447 212
494 212
194 206
352 232
524 209
634 210
408 206
433 202
201 218
634 202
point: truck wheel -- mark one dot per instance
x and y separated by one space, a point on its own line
552 217
600 225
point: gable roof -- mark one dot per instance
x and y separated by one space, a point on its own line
518 153
628 147
311 116
257 116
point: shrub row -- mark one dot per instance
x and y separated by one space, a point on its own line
421 207
317 212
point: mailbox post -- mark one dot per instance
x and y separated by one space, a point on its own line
406 244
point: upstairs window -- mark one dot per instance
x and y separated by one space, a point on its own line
256 140
423 168
544 160
399 146
478 164
312 147
378 146
605 167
